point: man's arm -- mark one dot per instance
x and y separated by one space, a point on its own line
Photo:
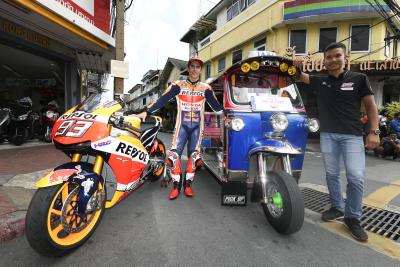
168 94
303 77
372 140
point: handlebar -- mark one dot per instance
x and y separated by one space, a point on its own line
118 122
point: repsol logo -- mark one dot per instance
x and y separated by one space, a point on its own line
105 143
131 151
82 115
234 200
194 93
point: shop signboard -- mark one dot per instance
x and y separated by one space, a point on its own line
93 16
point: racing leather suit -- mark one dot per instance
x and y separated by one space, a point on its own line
190 99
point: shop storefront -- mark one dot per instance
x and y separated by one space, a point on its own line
46 45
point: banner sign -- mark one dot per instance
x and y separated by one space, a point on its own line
92 16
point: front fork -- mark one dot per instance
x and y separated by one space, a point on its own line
265 163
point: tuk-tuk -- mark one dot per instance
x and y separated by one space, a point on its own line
258 143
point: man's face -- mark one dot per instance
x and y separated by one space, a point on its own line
335 59
194 71
393 137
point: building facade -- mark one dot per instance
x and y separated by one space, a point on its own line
241 26
49 48
134 94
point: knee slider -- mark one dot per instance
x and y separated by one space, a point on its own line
174 162
194 162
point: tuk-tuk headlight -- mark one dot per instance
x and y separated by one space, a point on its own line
313 125
292 70
237 124
245 67
279 121
254 65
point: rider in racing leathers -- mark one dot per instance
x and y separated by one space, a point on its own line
190 95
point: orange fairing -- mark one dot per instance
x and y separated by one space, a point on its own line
73 131
78 126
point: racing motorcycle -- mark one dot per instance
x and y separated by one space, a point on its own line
71 199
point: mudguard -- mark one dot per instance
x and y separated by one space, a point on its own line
80 173
274 146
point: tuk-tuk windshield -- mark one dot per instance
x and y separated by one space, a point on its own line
251 87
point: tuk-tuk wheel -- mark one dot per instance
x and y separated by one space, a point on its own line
285 207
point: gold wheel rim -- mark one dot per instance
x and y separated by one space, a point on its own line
54 226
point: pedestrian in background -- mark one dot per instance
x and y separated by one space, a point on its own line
339 97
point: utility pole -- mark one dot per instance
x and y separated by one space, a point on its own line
119 45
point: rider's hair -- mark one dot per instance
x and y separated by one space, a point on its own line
334 46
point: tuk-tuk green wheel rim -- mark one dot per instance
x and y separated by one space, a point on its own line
277 200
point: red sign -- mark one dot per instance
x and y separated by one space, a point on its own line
91 15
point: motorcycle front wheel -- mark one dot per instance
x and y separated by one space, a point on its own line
53 225
285 207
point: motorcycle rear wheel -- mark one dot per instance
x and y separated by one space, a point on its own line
44 227
160 153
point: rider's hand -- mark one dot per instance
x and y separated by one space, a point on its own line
142 115
372 141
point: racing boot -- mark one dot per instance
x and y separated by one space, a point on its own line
175 191
193 163
174 163
188 189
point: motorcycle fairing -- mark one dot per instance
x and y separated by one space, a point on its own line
128 159
80 173
68 127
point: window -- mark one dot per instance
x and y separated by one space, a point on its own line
229 14
242 4
144 101
298 38
236 56
250 2
235 8
260 45
221 64
208 70
360 38
326 37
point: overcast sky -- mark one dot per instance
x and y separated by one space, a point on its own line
153 31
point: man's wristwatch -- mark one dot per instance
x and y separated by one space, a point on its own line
375 132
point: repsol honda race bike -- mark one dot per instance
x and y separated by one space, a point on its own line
71 199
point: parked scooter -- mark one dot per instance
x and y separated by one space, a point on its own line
23 122
49 116
4 122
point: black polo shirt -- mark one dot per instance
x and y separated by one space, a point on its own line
339 101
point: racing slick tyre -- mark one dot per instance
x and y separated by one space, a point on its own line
53 225
159 156
285 207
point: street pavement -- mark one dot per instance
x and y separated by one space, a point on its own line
148 229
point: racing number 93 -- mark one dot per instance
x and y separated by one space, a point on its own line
73 128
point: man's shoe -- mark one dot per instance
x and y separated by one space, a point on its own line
355 229
189 190
331 215
174 193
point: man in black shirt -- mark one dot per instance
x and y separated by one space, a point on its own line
339 97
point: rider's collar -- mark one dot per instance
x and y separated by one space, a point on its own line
193 83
